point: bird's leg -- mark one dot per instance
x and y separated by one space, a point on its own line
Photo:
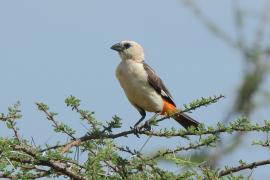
136 126
140 120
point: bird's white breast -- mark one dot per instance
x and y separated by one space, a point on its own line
133 79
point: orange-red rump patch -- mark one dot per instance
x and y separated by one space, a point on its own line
168 108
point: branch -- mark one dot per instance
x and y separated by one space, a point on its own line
57 166
50 116
74 103
194 105
6 118
33 176
102 135
237 127
242 167
11 117
190 147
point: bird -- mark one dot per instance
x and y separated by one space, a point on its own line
143 87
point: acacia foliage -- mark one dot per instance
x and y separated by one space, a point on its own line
106 159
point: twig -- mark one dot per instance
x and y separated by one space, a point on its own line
16 134
33 176
238 21
242 167
55 165
103 135
50 117
159 134
162 154
86 118
210 101
5 118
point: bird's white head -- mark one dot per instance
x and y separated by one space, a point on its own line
129 50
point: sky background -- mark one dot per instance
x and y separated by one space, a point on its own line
52 49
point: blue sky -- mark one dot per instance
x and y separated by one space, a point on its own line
52 49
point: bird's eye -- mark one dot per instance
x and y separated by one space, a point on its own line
127 45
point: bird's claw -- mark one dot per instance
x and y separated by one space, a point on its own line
136 130
147 126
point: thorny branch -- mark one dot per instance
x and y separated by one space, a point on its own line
190 147
50 117
193 106
243 167
35 159
183 134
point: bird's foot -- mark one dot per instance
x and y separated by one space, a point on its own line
147 126
136 130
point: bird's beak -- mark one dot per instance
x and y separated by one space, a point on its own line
117 47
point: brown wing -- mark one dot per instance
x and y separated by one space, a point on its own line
157 84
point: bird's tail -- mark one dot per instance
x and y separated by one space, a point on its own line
185 120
